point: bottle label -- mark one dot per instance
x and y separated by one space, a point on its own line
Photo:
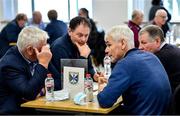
89 90
49 85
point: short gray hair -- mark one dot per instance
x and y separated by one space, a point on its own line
160 11
135 13
121 32
31 35
153 31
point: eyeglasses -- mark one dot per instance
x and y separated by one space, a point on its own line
164 17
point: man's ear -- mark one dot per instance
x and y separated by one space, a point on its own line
69 31
158 41
123 44
30 50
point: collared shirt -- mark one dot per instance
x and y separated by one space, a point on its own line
32 65
162 45
41 25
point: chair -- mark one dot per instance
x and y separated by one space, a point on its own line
176 101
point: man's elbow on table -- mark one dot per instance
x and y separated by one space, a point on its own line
103 101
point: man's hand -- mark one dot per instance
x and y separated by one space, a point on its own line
102 82
84 50
44 56
97 74
42 93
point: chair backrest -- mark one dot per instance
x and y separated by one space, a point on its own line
176 101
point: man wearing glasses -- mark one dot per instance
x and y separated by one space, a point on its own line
160 20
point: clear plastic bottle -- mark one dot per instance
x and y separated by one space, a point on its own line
88 88
49 86
107 66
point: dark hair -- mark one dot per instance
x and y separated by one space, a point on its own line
85 11
76 21
21 16
156 2
153 31
52 15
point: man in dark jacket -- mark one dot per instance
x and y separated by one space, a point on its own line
151 39
10 32
156 5
55 28
23 70
73 45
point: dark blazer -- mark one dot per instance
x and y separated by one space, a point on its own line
63 48
16 82
8 35
170 57
55 29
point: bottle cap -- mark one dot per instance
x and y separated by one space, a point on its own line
88 75
49 75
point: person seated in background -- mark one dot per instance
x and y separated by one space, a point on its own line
156 5
151 38
37 20
23 70
134 24
95 41
160 20
9 34
73 45
55 28
138 76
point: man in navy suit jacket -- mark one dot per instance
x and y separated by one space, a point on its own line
151 39
20 82
10 32
55 28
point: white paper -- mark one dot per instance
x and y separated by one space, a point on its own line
61 95
73 80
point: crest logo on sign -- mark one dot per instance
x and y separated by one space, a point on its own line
73 77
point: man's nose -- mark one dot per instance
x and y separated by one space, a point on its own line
106 50
140 47
83 39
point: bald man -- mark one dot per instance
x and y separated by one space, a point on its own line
37 20
134 24
160 20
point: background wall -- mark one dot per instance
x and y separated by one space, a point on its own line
1 11
106 13
110 12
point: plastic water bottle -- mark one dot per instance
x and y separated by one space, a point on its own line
88 88
107 66
49 85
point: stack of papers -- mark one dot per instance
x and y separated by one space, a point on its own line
61 95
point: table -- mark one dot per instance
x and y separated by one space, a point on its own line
68 105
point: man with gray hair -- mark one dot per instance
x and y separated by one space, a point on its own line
134 24
145 90
23 70
151 39
160 20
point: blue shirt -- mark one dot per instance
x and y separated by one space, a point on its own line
55 29
142 81
41 25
